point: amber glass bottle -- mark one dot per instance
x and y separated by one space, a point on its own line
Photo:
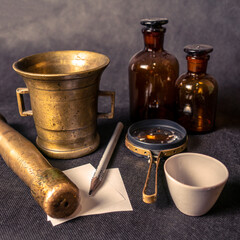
152 75
196 92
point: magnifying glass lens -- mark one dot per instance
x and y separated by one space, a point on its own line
156 135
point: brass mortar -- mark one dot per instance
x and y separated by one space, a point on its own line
64 89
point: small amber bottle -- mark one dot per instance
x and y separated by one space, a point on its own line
152 75
196 92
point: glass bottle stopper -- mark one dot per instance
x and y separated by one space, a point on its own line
198 49
154 22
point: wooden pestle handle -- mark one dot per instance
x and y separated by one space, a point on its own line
52 189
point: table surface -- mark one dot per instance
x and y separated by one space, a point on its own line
22 218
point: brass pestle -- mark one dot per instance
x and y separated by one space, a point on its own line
51 188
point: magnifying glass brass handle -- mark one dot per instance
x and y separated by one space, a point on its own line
151 198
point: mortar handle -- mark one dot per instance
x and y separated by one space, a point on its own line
20 101
112 95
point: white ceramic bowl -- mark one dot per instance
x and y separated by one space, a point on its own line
195 181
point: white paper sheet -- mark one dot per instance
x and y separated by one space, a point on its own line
110 197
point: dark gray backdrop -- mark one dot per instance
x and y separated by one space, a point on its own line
112 27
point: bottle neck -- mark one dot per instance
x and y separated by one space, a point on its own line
197 64
153 39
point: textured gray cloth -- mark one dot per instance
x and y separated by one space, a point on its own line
112 28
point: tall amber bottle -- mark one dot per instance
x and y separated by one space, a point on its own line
196 92
152 75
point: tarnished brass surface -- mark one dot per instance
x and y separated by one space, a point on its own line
53 190
64 89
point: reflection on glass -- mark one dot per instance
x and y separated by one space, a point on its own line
157 135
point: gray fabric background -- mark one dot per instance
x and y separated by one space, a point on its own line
112 27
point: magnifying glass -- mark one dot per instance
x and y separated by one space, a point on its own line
155 139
